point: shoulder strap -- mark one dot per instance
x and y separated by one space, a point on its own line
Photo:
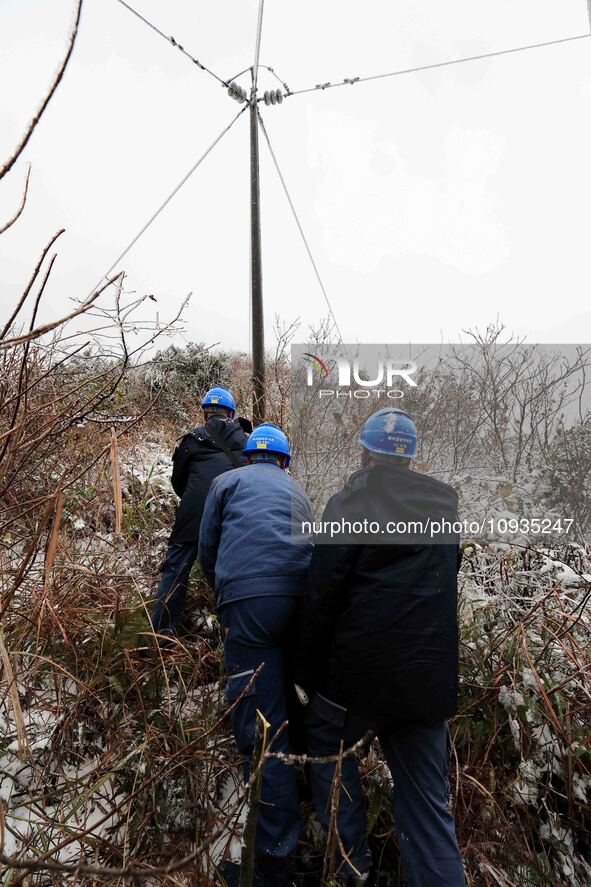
219 440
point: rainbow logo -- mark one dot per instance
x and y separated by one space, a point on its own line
316 363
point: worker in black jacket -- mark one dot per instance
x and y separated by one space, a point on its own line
377 650
200 456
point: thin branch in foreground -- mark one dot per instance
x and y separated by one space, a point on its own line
29 286
48 327
57 80
17 214
143 871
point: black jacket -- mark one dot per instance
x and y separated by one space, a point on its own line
378 629
197 460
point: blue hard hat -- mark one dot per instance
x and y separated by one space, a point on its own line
390 432
268 438
219 397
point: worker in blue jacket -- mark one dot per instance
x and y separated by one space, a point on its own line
253 553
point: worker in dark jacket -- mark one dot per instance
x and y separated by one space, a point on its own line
377 650
254 555
201 455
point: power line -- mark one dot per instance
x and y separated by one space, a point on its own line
272 71
163 205
301 230
255 116
351 81
172 42
282 82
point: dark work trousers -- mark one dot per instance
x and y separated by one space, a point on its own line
255 631
172 588
417 756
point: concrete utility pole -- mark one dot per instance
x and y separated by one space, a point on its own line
256 289
258 325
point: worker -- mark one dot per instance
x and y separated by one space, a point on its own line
253 553
201 455
377 651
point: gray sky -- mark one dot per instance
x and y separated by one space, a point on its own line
433 202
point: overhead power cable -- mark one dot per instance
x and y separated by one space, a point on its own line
277 77
272 71
172 42
301 230
351 81
175 191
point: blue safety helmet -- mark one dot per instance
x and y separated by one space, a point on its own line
219 397
390 432
268 438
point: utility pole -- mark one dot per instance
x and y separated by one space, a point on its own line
256 293
271 97
256 288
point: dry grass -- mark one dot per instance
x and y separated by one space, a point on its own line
119 761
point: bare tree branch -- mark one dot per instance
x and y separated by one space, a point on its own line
22 206
47 327
57 80
29 286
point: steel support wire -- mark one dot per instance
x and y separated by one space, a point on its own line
300 229
172 194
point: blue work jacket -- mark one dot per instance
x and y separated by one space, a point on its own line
251 542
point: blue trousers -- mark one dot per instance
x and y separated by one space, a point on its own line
172 588
417 756
256 632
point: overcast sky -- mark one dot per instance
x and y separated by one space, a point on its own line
433 202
